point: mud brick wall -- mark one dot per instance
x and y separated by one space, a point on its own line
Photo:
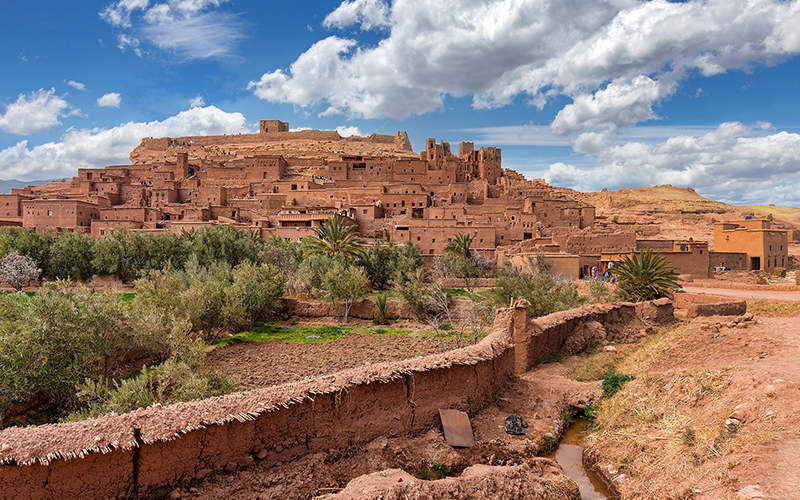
698 304
141 453
544 337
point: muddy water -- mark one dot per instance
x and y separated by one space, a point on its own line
569 455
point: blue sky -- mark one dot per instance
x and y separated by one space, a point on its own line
586 94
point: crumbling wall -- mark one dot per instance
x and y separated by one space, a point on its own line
143 451
698 304
544 337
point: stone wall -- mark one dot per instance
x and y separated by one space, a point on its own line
138 453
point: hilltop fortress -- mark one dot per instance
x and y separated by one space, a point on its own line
283 183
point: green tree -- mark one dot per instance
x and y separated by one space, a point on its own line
334 238
414 291
460 245
26 241
225 243
346 284
646 277
71 256
312 271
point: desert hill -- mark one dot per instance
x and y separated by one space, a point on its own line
672 212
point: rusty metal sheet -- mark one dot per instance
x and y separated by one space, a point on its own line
457 428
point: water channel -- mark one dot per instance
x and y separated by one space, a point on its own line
569 455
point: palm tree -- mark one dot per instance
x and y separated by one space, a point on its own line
646 277
334 238
460 245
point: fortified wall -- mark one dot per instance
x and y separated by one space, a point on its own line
140 452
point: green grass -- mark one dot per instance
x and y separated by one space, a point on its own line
290 333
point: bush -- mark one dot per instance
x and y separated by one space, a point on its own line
534 284
382 306
613 382
645 277
779 272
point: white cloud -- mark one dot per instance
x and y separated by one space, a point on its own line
187 28
370 14
126 41
35 112
91 148
348 131
732 163
110 100
77 85
619 105
197 102
608 55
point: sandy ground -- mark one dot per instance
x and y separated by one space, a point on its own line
745 294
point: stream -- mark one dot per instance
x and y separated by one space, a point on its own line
569 455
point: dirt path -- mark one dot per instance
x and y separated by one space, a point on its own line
745 294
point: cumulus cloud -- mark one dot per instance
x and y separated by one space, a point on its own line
370 14
197 102
77 85
110 100
92 148
733 163
615 58
348 131
188 28
35 112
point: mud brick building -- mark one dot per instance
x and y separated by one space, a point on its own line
750 245
282 183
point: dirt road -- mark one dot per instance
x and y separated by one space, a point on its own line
745 294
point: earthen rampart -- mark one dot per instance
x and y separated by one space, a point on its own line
140 452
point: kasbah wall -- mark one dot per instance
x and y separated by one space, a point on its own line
137 453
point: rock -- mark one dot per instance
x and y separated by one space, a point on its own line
748 316
749 493
609 348
247 462
175 495
732 422
770 390
278 449
203 473
261 454
741 325
230 467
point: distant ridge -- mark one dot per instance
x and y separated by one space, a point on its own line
7 185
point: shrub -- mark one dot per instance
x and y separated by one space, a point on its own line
647 277
533 283
382 306
613 382
779 272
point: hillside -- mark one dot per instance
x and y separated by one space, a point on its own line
674 212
